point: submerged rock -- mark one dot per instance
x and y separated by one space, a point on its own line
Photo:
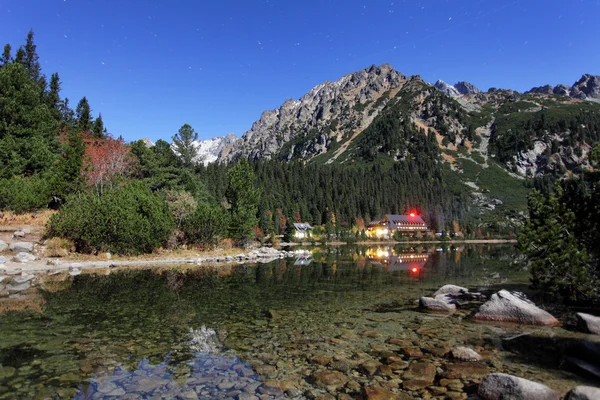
467 371
583 393
588 323
379 393
504 386
331 380
465 354
505 306
419 375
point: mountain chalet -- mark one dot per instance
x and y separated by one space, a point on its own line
390 223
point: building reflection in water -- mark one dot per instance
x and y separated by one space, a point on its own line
413 262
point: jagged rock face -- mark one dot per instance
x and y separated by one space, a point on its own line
466 88
447 89
546 89
562 90
335 105
588 87
460 88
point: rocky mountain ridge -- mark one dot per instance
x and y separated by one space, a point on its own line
586 88
326 113
327 121
459 89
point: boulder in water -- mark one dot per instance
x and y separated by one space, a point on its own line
506 306
436 305
451 289
588 323
504 386
583 393
465 354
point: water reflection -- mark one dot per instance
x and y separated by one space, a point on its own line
403 260
213 372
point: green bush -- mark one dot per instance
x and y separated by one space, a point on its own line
127 220
23 195
206 224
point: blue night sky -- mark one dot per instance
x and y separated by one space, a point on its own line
150 66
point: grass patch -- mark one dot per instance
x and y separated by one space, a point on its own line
477 157
517 106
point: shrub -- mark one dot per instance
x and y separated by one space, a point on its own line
127 220
23 195
59 247
181 204
206 225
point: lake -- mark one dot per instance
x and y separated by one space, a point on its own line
342 323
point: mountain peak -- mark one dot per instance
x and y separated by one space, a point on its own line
446 88
587 87
460 88
466 88
332 108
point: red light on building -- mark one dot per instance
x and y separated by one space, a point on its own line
415 270
412 214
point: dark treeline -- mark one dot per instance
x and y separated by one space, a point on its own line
561 237
341 195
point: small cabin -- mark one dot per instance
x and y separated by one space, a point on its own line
391 223
302 230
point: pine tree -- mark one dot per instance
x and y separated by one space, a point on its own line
67 114
98 127
31 62
6 56
243 197
183 142
53 96
84 116
68 178
20 56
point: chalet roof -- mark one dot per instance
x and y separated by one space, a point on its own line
375 222
404 219
302 227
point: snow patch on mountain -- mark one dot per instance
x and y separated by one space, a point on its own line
210 149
